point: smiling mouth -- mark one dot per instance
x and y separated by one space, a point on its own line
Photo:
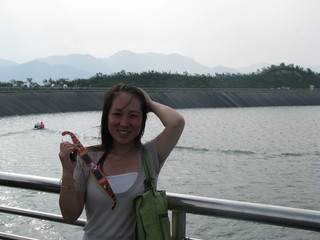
123 132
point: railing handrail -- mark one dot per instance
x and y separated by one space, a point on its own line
180 203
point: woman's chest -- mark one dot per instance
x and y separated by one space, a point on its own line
114 166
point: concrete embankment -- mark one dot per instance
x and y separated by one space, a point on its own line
50 101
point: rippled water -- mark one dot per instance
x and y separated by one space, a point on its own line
262 155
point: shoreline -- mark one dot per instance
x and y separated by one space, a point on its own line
25 102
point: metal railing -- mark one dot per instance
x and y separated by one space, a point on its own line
179 204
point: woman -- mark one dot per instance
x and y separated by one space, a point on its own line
119 157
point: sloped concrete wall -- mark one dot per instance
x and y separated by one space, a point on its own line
237 98
50 101
33 102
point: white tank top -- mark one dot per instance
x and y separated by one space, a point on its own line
122 182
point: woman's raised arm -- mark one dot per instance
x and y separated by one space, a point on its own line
173 124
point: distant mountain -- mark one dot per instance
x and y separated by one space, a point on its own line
39 71
6 63
86 62
85 66
132 62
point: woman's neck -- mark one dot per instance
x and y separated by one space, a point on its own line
121 150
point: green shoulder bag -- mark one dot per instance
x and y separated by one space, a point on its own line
151 210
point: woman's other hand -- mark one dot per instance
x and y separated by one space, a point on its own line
67 156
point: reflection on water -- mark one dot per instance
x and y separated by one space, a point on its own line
262 155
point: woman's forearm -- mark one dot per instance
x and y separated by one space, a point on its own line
71 201
168 116
173 123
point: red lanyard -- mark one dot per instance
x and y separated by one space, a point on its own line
94 169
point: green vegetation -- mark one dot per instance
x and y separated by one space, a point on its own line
280 76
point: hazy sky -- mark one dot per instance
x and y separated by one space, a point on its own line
233 33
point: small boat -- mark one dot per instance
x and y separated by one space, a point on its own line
39 126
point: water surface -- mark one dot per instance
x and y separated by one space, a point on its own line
264 155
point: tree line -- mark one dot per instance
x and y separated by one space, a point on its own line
274 76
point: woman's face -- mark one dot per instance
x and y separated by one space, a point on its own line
125 118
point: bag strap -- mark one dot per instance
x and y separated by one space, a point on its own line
149 181
95 171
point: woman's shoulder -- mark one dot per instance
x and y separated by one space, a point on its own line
95 148
95 151
151 149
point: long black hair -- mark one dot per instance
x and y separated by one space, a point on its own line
106 138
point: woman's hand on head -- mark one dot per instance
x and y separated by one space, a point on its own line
67 152
148 100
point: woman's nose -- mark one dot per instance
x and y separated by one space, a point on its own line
124 121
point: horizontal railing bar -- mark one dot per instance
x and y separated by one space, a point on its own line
30 182
8 236
39 215
262 213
